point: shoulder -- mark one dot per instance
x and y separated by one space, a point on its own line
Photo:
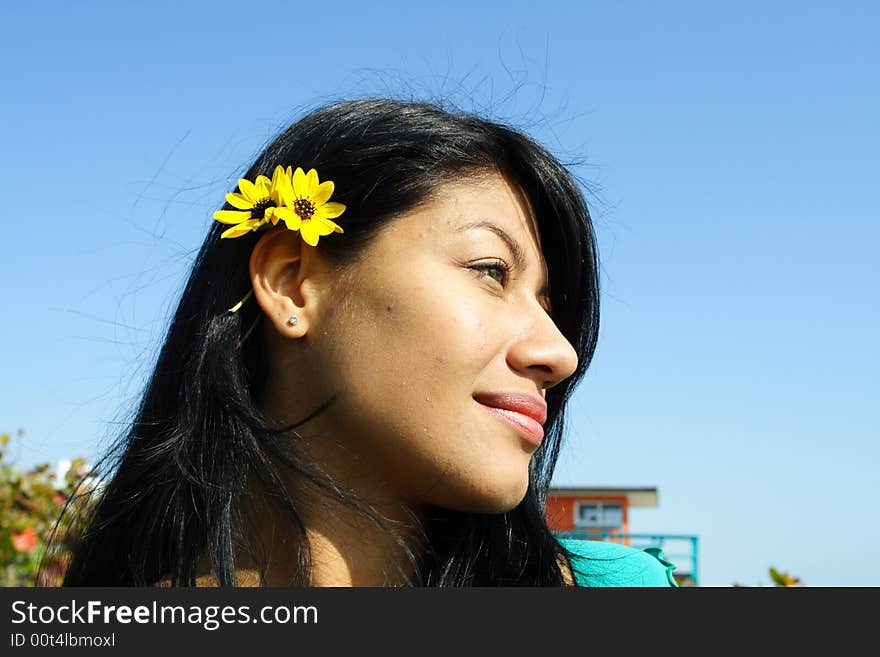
598 563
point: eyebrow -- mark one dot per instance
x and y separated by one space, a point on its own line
515 248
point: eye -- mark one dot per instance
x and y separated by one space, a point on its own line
495 268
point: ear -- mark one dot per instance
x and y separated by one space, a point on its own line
278 273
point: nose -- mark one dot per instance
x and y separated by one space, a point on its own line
542 352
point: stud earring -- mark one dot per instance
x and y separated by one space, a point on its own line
293 320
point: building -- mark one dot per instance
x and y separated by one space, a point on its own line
602 514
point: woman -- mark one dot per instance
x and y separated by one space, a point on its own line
368 390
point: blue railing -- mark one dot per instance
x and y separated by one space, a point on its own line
680 549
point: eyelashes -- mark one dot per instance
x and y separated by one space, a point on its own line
495 265
504 272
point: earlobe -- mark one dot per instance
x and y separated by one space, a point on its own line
276 269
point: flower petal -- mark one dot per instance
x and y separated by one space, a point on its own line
286 195
284 190
280 182
239 230
231 216
238 201
300 187
323 192
277 175
291 219
325 226
309 232
264 186
329 210
311 183
248 190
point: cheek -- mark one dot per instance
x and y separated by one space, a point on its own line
413 365
444 348
409 371
427 327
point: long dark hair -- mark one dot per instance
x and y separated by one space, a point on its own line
184 479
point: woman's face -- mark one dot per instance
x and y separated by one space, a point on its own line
424 341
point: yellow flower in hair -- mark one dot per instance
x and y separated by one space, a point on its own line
308 206
257 203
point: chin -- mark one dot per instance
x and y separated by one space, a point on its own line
496 499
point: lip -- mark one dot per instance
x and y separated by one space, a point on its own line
525 413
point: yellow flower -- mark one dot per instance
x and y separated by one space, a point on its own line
308 206
258 203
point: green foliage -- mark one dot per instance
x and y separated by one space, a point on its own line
31 503
783 578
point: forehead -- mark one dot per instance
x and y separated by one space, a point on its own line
479 208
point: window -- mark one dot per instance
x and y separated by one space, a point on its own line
599 515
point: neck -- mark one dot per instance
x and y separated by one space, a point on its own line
347 548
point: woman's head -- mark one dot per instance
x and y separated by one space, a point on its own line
437 317
466 275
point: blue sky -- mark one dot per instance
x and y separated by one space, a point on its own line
732 158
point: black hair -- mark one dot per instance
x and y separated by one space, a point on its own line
184 479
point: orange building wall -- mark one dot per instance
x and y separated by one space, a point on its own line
559 510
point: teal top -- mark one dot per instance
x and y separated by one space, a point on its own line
597 563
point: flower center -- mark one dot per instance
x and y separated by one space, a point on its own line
260 207
304 208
